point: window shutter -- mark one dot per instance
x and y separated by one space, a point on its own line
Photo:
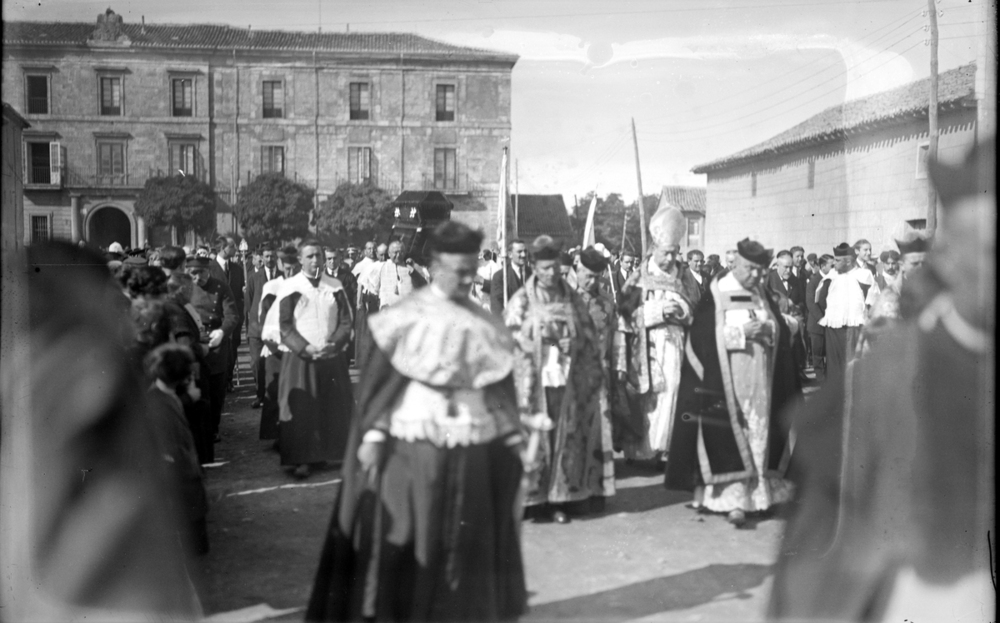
366 154
55 164
25 157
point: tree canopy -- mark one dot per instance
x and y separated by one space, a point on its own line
609 218
184 202
273 207
354 214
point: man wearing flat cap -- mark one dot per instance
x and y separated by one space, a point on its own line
898 501
660 299
558 374
593 265
729 444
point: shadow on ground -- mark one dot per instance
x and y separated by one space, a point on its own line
672 592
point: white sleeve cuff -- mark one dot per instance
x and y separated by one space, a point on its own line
374 436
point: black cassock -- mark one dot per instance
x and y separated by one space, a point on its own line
433 535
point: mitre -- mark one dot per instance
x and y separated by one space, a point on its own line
668 226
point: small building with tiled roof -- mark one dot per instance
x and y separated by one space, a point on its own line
112 103
690 200
539 215
856 170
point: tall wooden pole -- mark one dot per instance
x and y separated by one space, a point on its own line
638 179
517 200
932 117
986 71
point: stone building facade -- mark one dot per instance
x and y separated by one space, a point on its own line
113 103
854 171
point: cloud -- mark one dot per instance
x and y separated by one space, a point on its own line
868 70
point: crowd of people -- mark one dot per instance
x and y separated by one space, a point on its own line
494 391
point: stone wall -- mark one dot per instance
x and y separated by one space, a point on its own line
867 186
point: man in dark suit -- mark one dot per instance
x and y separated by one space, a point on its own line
816 331
517 273
696 263
216 306
339 269
620 272
230 271
788 294
255 285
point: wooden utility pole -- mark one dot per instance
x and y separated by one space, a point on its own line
986 71
638 179
517 201
932 117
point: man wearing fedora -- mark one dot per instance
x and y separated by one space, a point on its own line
730 446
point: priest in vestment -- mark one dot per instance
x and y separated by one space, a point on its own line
425 526
558 375
314 388
592 266
730 443
660 298
897 497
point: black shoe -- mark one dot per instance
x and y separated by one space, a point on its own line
256 404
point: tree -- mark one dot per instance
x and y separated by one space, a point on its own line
273 207
181 201
608 220
354 213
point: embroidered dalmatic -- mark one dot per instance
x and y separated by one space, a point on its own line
602 312
563 385
660 352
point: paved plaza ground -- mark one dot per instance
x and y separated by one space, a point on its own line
646 557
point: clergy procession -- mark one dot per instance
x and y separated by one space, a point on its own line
455 399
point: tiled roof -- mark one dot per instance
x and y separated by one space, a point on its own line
956 87
542 214
10 113
685 198
228 37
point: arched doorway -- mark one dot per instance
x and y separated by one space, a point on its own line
109 224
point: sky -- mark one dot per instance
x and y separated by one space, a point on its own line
701 78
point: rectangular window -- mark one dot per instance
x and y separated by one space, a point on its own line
274 99
183 104
753 184
111 96
39 229
38 95
183 159
694 227
272 159
360 100
359 165
39 163
111 164
445 172
445 102
922 153
812 174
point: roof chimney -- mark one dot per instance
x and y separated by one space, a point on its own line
143 24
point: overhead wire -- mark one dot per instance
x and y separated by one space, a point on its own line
810 63
797 106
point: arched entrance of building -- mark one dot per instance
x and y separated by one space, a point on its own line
109 224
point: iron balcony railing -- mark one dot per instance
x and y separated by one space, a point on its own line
38 105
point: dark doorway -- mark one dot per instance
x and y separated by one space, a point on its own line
109 225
